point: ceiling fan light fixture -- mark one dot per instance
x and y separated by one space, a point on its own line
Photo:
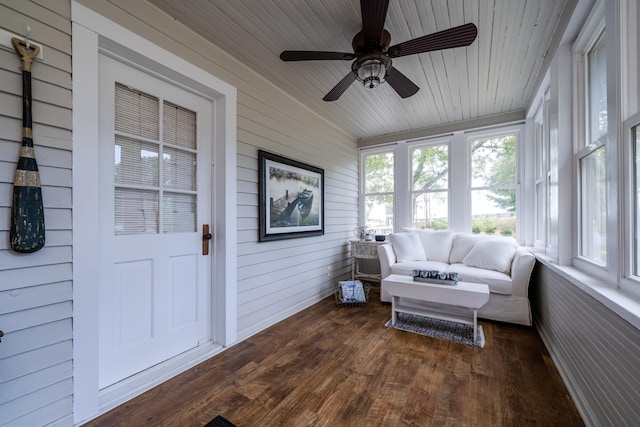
372 73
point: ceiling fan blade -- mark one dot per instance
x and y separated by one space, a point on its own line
307 55
374 13
401 83
339 89
460 36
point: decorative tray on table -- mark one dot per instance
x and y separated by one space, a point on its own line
435 276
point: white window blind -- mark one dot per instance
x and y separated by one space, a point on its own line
137 113
145 203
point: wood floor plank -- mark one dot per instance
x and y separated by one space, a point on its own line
331 366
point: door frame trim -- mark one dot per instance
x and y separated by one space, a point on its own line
92 32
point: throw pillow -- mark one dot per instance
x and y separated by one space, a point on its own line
436 244
491 255
462 244
407 247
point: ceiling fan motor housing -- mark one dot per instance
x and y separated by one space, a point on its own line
362 46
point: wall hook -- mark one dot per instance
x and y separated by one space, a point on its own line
26 39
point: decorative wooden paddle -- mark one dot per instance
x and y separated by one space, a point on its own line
26 232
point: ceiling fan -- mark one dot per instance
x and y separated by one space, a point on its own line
372 54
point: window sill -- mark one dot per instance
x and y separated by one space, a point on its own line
624 304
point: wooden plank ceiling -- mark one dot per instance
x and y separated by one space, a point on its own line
497 74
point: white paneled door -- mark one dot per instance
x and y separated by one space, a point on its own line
155 197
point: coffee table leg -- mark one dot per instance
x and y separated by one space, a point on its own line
475 324
394 299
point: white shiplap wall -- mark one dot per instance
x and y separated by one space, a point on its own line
596 351
36 289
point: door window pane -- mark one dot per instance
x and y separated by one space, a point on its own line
179 126
137 113
136 162
179 169
179 212
136 211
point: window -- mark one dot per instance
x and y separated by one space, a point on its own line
425 183
430 187
542 175
153 196
378 191
592 159
635 149
493 185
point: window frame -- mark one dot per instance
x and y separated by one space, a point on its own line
588 146
503 131
591 33
630 282
424 143
542 175
362 217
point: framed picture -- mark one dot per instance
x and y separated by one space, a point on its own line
291 198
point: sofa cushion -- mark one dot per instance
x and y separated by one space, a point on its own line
407 247
463 242
436 244
406 268
491 254
499 283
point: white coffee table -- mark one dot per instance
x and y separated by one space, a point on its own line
456 300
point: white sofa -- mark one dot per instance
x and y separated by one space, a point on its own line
499 262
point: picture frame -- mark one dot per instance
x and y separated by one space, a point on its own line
291 198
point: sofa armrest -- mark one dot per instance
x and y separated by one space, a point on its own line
387 258
521 268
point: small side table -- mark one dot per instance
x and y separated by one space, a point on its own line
363 249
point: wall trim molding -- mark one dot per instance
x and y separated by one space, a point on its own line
513 117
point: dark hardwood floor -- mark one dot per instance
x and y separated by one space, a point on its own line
330 366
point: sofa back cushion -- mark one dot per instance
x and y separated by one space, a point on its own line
436 244
407 247
462 244
491 254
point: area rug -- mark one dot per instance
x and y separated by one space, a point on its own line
443 329
220 421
